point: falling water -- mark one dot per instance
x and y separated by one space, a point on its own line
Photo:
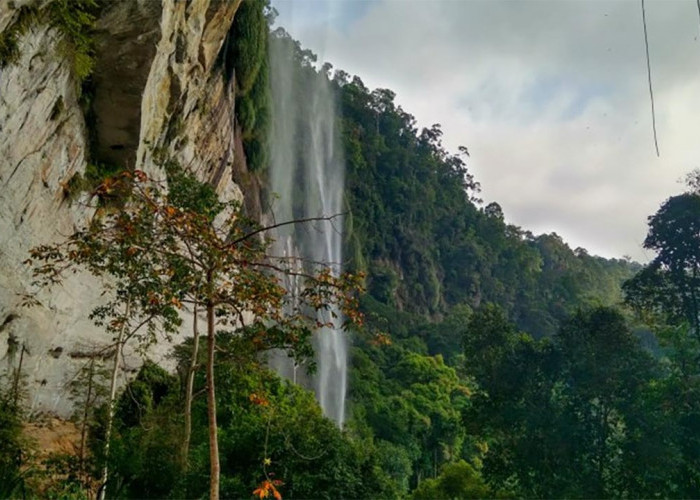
306 177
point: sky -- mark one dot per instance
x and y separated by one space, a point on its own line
550 97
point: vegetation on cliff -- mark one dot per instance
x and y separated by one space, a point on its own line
247 63
74 19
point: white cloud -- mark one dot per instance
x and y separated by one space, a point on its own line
550 97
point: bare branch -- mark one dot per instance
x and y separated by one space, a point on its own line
281 224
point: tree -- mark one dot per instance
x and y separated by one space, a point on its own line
670 284
12 475
489 339
120 243
604 373
184 246
666 294
575 415
456 480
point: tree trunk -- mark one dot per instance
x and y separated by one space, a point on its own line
18 377
83 426
112 398
602 452
190 389
211 407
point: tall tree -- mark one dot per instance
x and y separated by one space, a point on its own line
670 284
604 372
169 248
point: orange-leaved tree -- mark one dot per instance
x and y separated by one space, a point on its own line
176 245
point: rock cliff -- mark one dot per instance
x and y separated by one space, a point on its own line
158 91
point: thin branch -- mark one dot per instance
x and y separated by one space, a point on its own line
192 260
298 260
280 224
288 442
237 310
285 272
135 330
90 358
194 257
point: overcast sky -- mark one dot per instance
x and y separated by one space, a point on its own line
550 97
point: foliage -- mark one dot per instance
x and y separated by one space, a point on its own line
73 18
272 434
246 59
115 245
411 404
488 339
582 415
418 228
96 173
248 43
9 50
62 478
670 284
139 246
606 374
144 449
12 446
458 480
165 249
665 295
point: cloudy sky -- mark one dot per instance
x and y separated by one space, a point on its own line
550 97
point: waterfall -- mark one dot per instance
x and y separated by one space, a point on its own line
306 175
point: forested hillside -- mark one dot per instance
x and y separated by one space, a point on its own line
428 242
416 224
511 361
488 362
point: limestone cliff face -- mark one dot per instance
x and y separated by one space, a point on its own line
159 93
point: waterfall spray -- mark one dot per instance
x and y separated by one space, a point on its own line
306 176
